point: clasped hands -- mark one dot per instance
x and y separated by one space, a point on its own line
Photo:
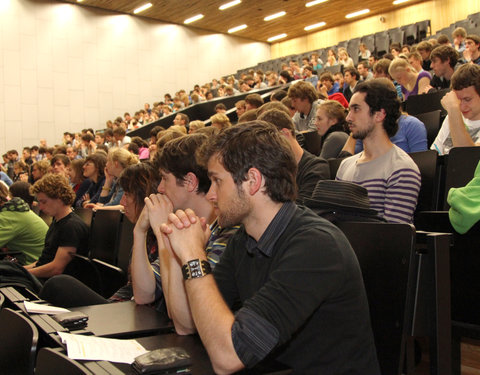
183 232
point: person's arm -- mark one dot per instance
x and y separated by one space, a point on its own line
159 207
401 195
423 84
350 145
143 278
458 131
213 318
63 256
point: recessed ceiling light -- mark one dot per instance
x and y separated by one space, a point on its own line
314 2
142 8
79 1
194 18
229 5
276 37
359 13
311 27
273 16
396 2
238 28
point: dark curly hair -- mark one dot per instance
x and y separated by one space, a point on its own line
381 94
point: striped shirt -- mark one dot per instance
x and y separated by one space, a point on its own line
392 180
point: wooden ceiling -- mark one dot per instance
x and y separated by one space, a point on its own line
251 13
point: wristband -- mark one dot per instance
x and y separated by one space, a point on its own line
196 268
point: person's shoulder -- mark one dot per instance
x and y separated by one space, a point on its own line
409 121
402 160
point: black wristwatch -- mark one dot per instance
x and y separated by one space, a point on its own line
196 268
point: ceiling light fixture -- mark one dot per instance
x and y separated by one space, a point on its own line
142 8
193 19
273 16
237 28
311 27
276 37
396 2
356 14
314 2
229 5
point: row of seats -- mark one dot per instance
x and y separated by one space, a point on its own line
378 43
471 24
105 268
393 289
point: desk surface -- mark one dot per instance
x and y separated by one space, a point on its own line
192 344
124 319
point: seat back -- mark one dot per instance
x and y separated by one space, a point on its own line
460 166
86 214
385 253
334 164
425 103
427 162
51 361
431 120
18 344
104 234
313 142
125 244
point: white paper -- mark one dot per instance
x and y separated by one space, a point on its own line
101 349
43 309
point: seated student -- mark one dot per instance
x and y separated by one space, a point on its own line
111 194
386 171
461 127
39 169
305 100
328 85
184 184
67 234
137 181
412 82
94 170
21 229
288 286
444 59
330 123
310 168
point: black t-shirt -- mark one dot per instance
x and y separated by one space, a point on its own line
70 231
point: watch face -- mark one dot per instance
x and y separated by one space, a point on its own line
195 268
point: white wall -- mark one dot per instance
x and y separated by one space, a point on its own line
67 67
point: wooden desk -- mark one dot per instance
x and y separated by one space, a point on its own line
124 320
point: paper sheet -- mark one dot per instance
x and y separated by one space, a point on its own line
101 349
43 309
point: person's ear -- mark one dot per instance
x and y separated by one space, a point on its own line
254 182
191 182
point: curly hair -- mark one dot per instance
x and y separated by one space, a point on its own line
381 94
54 186
42 165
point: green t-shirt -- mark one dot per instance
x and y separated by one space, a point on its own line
22 230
